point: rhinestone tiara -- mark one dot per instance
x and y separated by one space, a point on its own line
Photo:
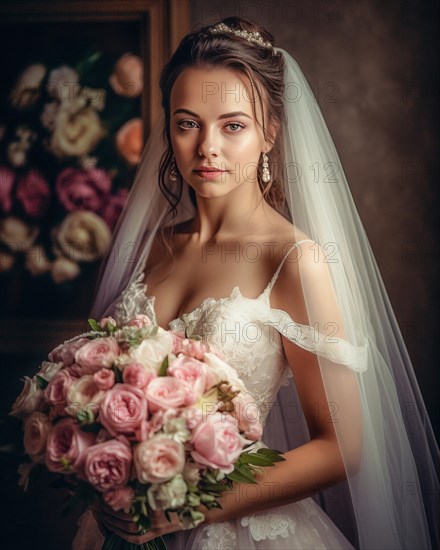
254 37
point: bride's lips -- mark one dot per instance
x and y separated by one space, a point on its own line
210 174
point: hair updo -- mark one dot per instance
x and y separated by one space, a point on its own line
265 71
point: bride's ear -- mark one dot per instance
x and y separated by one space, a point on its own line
272 135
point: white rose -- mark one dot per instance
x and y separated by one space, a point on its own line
84 393
64 269
222 371
176 429
168 495
36 430
16 234
29 400
152 351
49 369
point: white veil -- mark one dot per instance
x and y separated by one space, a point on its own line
390 497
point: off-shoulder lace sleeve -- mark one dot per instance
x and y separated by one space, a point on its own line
335 349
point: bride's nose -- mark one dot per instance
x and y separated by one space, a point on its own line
208 144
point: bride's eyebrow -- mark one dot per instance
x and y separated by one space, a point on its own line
226 115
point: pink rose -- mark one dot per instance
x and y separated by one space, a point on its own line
6 183
217 442
66 447
127 78
178 338
33 192
108 464
56 391
69 350
247 414
119 498
140 321
36 429
194 348
107 321
166 392
124 410
83 189
97 353
105 379
66 352
113 208
192 373
158 459
137 375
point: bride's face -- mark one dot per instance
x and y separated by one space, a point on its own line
212 123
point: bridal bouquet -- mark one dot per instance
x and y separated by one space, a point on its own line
143 419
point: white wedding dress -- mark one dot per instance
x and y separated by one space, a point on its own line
248 331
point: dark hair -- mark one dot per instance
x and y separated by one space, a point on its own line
264 70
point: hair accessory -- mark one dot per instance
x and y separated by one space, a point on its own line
249 36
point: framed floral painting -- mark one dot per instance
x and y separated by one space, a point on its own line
78 95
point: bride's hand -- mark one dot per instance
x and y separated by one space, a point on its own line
123 525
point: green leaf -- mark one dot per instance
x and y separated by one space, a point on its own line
95 325
271 454
118 375
42 382
239 477
93 428
258 460
164 367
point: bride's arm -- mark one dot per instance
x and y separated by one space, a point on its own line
318 463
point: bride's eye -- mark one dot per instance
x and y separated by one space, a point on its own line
241 126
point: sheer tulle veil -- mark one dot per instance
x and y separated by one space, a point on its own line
390 497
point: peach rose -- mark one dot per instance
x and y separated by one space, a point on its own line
158 459
66 447
128 76
217 442
124 410
108 464
97 353
129 140
36 429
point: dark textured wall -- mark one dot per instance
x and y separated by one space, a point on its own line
373 68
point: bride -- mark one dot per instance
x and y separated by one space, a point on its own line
240 228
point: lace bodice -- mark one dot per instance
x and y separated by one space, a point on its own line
248 331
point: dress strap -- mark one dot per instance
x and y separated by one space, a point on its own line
277 272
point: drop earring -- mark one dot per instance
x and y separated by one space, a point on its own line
173 170
266 173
